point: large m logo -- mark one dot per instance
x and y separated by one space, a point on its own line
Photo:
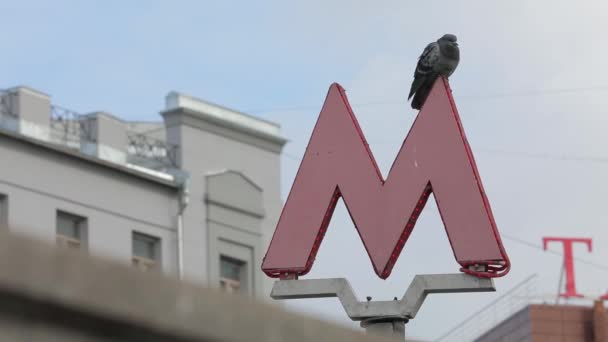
435 157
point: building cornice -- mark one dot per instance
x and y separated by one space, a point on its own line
221 120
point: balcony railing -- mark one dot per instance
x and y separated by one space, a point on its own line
6 107
151 152
71 129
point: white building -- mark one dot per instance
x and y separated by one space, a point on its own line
195 195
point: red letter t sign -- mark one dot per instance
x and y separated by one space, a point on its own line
568 262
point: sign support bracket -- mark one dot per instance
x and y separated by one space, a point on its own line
381 317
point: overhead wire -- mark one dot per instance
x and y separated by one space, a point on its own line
554 91
532 92
539 247
524 242
545 156
468 97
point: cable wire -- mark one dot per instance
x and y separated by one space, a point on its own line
526 93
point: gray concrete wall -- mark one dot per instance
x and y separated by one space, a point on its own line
235 213
237 156
49 294
39 181
208 146
107 138
33 110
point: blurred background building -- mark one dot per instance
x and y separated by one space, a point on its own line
524 313
195 195
547 322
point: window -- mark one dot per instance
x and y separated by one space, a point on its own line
3 211
71 230
146 251
232 273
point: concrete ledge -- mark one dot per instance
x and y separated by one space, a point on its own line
46 291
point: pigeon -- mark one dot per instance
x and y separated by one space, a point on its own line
439 58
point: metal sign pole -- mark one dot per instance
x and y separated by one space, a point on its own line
381 317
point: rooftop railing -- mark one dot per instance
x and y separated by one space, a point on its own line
70 129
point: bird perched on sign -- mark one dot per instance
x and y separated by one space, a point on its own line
438 58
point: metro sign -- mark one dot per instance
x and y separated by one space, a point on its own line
435 158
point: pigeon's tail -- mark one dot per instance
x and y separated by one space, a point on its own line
423 91
416 83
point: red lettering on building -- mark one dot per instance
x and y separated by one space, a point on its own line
568 262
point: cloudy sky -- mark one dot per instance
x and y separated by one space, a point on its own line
531 88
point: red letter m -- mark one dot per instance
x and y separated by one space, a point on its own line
435 157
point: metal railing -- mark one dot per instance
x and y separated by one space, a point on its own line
6 105
8 114
514 300
145 148
72 129
69 128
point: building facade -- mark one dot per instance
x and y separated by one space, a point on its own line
195 195
547 322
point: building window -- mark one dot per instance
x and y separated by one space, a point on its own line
232 274
71 230
146 252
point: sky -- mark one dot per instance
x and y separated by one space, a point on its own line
531 89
